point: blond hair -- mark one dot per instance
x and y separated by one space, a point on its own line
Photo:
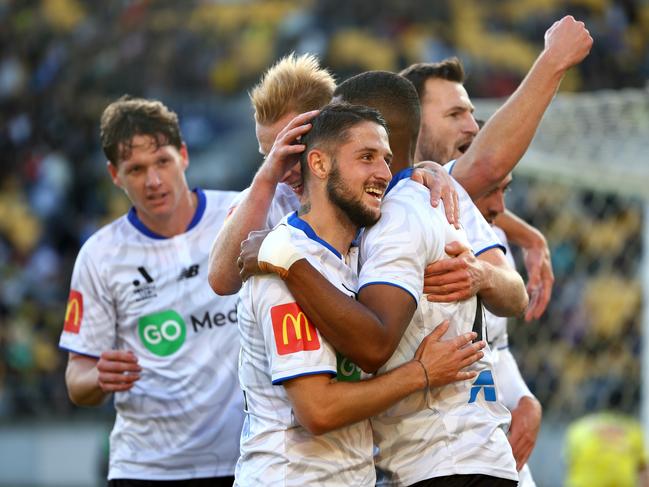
294 83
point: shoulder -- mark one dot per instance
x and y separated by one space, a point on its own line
217 199
408 195
116 231
412 200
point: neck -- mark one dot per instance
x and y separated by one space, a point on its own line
401 158
329 222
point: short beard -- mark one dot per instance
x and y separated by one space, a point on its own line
430 150
339 195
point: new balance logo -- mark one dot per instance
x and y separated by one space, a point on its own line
484 382
191 271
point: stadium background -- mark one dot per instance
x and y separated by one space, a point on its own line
584 183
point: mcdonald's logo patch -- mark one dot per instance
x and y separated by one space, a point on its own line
292 329
73 312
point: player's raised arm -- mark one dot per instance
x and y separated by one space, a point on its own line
252 211
538 262
505 137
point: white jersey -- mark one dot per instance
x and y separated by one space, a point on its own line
135 290
284 202
279 343
512 386
480 233
455 429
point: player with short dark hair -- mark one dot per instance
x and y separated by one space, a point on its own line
141 322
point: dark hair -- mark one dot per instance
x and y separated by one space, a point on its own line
392 94
331 126
449 69
127 117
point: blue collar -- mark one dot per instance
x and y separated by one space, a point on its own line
297 222
403 174
198 214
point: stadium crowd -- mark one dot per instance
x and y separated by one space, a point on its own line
62 61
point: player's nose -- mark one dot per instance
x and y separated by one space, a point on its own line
153 177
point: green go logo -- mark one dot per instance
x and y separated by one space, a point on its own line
162 333
347 370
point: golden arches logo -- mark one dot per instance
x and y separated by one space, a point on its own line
73 312
72 308
292 330
296 321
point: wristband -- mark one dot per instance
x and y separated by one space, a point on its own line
277 252
425 372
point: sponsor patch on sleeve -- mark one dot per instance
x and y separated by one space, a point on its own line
292 330
73 312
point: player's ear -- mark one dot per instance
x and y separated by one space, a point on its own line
112 170
319 163
184 154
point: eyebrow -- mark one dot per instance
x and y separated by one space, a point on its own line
371 149
461 108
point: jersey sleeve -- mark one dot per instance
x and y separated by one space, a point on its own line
481 235
89 324
294 346
396 250
511 385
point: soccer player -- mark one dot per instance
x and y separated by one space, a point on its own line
430 442
448 129
604 449
286 98
302 427
142 323
525 409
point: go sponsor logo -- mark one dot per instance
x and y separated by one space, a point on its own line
347 370
162 333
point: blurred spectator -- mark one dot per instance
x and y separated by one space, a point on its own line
605 449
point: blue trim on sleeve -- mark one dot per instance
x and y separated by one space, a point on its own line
297 222
78 353
494 246
198 214
451 166
279 382
390 284
504 347
403 174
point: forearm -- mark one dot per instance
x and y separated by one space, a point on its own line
506 136
510 381
82 381
503 291
518 231
350 327
340 404
250 214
